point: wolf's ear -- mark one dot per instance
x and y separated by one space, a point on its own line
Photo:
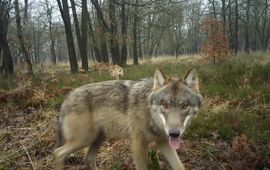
192 80
159 79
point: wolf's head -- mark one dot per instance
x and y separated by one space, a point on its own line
173 102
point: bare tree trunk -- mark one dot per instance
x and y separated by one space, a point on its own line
95 43
124 28
263 31
236 44
103 47
213 3
103 42
53 49
140 52
230 25
135 24
224 15
7 62
5 55
84 36
110 28
114 46
26 29
81 37
1 60
76 23
25 15
21 39
103 29
71 48
148 37
52 37
247 27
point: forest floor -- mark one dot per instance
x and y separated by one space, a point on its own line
231 132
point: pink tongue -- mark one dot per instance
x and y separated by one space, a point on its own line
175 142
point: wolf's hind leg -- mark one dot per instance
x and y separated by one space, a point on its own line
75 129
90 159
140 152
171 156
61 153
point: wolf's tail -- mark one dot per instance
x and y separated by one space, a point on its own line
59 134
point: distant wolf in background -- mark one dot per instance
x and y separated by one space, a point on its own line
101 67
150 110
116 72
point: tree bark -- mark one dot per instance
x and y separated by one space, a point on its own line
103 29
124 28
247 27
114 46
139 39
71 48
262 29
25 14
135 29
95 43
51 35
148 37
224 15
84 37
7 62
81 35
230 25
103 42
21 39
212 2
5 54
236 43
53 49
110 28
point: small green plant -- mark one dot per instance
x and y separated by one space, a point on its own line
154 160
118 165
2 167
209 152
226 132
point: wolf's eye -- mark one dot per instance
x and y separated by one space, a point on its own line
164 104
184 106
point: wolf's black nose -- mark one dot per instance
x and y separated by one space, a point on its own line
174 133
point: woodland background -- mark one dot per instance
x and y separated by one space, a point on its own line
84 32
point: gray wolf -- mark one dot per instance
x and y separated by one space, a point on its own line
155 110
116 71
100 67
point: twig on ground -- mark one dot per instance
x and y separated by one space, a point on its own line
28 155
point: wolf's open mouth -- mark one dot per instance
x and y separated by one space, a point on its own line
175 142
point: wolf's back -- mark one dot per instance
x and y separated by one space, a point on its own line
92 96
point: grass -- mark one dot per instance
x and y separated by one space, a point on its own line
234 120
246 89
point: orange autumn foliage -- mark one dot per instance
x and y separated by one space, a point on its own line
216 45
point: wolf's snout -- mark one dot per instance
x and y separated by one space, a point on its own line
175 133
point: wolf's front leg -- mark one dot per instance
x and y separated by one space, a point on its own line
171 156
140 151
